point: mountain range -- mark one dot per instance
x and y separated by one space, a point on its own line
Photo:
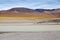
35 13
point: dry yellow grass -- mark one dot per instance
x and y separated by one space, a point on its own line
26 16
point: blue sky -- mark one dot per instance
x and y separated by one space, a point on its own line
46 4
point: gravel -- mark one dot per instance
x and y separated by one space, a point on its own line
46 35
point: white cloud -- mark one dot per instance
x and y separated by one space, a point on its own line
7 4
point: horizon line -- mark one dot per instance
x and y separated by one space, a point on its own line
29 8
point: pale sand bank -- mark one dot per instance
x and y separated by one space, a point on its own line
36 27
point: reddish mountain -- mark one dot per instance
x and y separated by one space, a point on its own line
31 12
21 9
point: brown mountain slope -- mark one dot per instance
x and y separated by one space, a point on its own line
26 13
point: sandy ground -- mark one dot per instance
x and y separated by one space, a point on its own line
50 35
